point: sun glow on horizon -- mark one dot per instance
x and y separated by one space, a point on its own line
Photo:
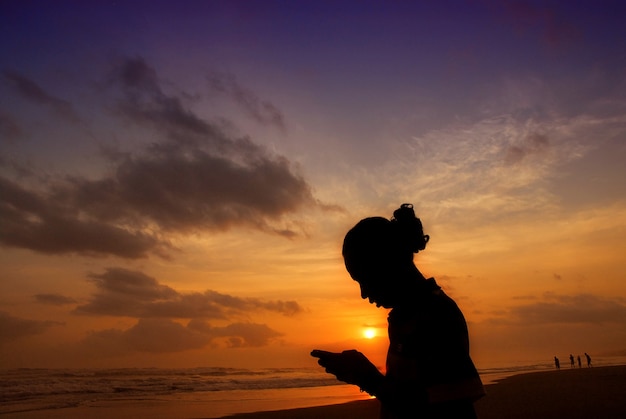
369 333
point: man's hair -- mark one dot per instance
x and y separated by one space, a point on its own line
375 244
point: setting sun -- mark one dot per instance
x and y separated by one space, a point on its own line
369 333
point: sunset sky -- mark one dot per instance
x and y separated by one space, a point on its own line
176 178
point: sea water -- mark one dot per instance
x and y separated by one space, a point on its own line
223 391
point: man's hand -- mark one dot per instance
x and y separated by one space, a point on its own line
351 367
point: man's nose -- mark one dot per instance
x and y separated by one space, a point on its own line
364 292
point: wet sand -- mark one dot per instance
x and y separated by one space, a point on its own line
585 393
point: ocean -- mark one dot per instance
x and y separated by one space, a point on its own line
218 392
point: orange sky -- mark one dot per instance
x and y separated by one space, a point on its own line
175 184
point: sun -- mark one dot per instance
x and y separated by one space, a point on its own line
369 333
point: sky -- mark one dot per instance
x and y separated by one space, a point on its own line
176 178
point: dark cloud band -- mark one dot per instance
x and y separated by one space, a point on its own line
122 292
194 177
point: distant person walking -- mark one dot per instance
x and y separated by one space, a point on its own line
588 359
557 364
580 364
571 361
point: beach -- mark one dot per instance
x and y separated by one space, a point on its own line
578 393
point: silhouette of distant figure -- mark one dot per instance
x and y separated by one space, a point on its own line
429 370
579 363
571 361
588 359
557 364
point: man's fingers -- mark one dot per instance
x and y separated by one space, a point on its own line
318 353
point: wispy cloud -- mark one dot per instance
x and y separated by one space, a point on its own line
549 23
494 167
260 110
9 128
532 144
33 92
139 97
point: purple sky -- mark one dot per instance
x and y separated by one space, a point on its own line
215 152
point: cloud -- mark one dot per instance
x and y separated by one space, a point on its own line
12 328
162 335
238 334
157 307
142 100
497 168
150 335
548 22
39 222
9 128
261 111
54 299
532 144
568 309
182 190
122 292
34 93
194 177
201 178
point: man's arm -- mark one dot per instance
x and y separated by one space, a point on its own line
353 367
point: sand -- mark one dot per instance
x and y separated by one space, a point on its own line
585 393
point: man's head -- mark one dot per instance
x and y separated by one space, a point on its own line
378 253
